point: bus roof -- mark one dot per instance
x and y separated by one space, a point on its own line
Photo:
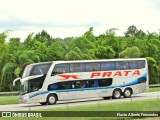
40 63
85 61
100 60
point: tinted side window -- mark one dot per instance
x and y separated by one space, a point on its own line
40 69
78 84
53 86
92 66
60 86
107 66
133 64
141 64
64 85
88 67
105 82
77 67
89 83
60 68
121 65
125 65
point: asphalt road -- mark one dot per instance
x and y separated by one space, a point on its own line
66 104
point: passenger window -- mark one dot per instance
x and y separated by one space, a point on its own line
88 67
89 83
133 64
78 84
60 68
141 64
77 67
107 66
118 65
92 66
125 65
105 82
53 86
64 85
95 66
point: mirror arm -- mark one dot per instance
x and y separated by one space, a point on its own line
15 80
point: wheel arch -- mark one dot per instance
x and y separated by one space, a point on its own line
117 89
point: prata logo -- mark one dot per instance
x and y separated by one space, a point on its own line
106 74
66 77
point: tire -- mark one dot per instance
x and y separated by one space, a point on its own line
43 103
51 99
116 94
127 93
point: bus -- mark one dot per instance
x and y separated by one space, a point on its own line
49 82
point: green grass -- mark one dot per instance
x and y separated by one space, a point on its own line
154 89
142 105
9 100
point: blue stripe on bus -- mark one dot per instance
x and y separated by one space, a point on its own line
95 88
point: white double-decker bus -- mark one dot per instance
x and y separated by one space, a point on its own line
49 82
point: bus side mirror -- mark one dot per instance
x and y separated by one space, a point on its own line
15 80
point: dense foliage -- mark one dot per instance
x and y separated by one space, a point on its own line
15 54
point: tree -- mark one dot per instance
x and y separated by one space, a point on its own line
131 52
29 41
3 52
105 52
55 52
7 76
111 32
131 31
89 34
140 34
152 65
72 55
44 37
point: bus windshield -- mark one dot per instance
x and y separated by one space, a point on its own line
36 69
30 86
23 88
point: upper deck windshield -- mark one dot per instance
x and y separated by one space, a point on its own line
36 69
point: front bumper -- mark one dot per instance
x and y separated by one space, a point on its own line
25 99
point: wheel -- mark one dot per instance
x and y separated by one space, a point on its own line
116 94
127 93
43 103
51 99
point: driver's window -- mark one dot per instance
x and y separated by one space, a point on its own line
60 68
34 86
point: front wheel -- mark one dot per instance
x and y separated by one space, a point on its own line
116 94
51 99
127 93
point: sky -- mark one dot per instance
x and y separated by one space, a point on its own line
71 18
